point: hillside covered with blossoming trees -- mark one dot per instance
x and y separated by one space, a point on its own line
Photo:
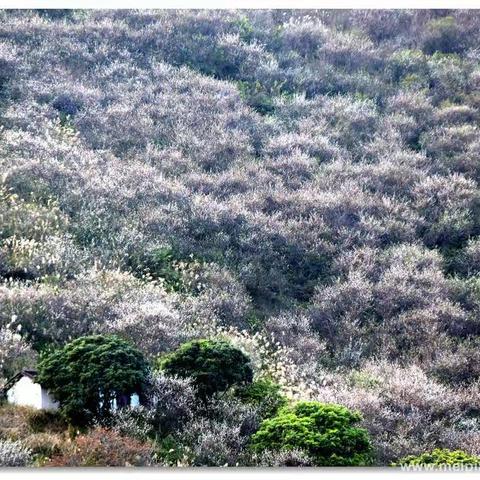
301 187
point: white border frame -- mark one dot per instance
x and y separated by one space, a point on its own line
203 473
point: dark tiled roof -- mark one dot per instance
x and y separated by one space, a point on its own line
30 373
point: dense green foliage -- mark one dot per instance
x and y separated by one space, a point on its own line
214 365
263 394
87 374
326 432
441 457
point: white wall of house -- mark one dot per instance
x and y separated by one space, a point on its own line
48 403
134 401
28 393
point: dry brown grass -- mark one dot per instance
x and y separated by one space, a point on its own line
14 422
45 445
102 447
41 431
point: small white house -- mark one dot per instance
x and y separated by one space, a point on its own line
22 390
125 401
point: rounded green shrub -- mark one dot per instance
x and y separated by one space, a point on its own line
89 372
440 456
263 394
214 365
325 432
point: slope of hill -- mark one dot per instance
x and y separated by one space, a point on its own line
306 176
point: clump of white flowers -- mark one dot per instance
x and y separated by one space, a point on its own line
14 351
14 454
272 360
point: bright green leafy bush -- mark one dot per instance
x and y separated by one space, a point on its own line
441 456
326 432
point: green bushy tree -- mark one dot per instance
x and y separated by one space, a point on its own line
263 394
214 365
440 456
326 432
89 372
